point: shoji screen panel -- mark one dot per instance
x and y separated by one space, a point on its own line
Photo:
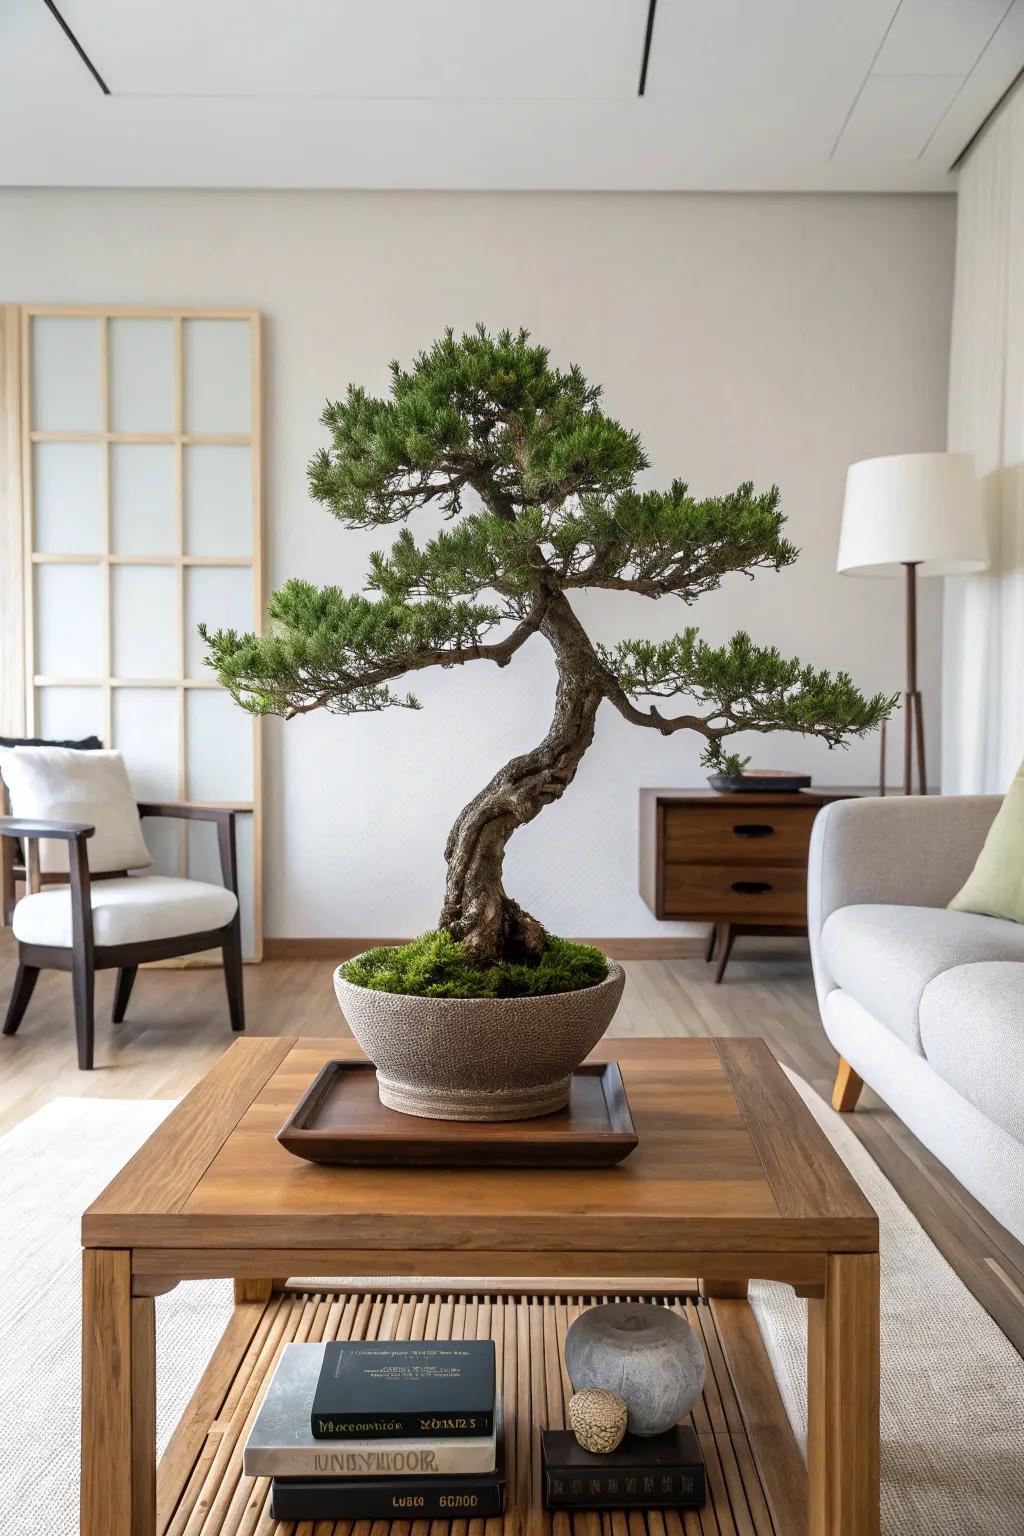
141 485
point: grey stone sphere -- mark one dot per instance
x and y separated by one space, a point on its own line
646 1354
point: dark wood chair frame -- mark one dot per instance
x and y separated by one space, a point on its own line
84 958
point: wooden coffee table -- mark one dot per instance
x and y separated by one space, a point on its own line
732 1180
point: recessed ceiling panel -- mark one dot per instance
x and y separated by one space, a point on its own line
455 49
896 115
990 79
938 37
742 95
764 79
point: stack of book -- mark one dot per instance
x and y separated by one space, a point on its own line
642 1473
373 1429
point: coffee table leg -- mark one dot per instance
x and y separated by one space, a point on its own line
143 1416
842 1399
118 1496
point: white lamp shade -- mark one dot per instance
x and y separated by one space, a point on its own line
919 507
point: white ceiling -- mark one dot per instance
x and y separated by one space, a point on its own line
822 95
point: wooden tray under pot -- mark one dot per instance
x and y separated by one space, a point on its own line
340 1119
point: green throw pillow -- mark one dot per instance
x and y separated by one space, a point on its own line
995 885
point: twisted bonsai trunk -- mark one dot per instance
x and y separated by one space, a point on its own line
476 909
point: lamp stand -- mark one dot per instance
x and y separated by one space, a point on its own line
913 711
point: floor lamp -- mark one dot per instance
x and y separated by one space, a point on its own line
911 515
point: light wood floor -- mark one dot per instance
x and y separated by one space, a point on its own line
177 1027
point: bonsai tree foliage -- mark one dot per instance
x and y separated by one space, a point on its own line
539 487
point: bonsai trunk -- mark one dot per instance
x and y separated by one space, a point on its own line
476 909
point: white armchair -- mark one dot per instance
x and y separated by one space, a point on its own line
104 917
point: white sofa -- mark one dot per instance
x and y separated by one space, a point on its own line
923 1004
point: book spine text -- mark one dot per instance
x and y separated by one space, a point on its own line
460 1458
681 1487
408 1500
384 1426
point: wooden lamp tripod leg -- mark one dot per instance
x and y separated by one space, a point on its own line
913 709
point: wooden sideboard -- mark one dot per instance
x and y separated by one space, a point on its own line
735 861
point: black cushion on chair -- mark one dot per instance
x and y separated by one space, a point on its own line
87 743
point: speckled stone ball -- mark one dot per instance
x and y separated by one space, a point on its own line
598 1419
643 1353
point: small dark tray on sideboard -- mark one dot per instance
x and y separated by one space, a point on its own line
340 1119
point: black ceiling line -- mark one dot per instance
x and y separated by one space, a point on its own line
989 115
76 45
652 6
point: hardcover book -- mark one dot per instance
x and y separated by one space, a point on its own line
643 1472
282 1444
390 1498
408 1498
376 1389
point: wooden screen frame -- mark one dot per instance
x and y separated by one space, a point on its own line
12 630
178 439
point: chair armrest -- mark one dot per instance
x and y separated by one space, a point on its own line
182 810
225 822
74 833
899 851
65 831
14 828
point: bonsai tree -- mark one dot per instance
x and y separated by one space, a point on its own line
539 487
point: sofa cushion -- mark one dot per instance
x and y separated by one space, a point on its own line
127 911
972 1030
996 883
885 956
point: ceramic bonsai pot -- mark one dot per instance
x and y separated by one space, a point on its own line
478 1058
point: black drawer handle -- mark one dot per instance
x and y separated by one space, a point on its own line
754 829
751 887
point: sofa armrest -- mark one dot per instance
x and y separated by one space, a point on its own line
899 851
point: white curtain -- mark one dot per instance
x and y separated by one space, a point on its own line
983 644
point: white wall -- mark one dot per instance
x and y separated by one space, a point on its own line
746 337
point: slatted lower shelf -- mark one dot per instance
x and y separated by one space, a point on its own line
756 1480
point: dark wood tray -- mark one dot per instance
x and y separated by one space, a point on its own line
340 1119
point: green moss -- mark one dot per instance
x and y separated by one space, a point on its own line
435 965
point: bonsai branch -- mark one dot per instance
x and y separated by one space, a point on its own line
499 651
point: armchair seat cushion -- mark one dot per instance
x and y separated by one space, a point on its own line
885 956
972 1029
129 910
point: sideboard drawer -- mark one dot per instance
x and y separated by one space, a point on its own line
751 892
709 834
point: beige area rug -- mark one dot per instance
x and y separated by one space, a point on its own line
952 1386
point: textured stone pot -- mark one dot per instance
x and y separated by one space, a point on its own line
478 1058
643 1353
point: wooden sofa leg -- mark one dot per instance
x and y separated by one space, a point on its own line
24 985
847 1088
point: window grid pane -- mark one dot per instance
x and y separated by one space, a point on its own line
134 542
